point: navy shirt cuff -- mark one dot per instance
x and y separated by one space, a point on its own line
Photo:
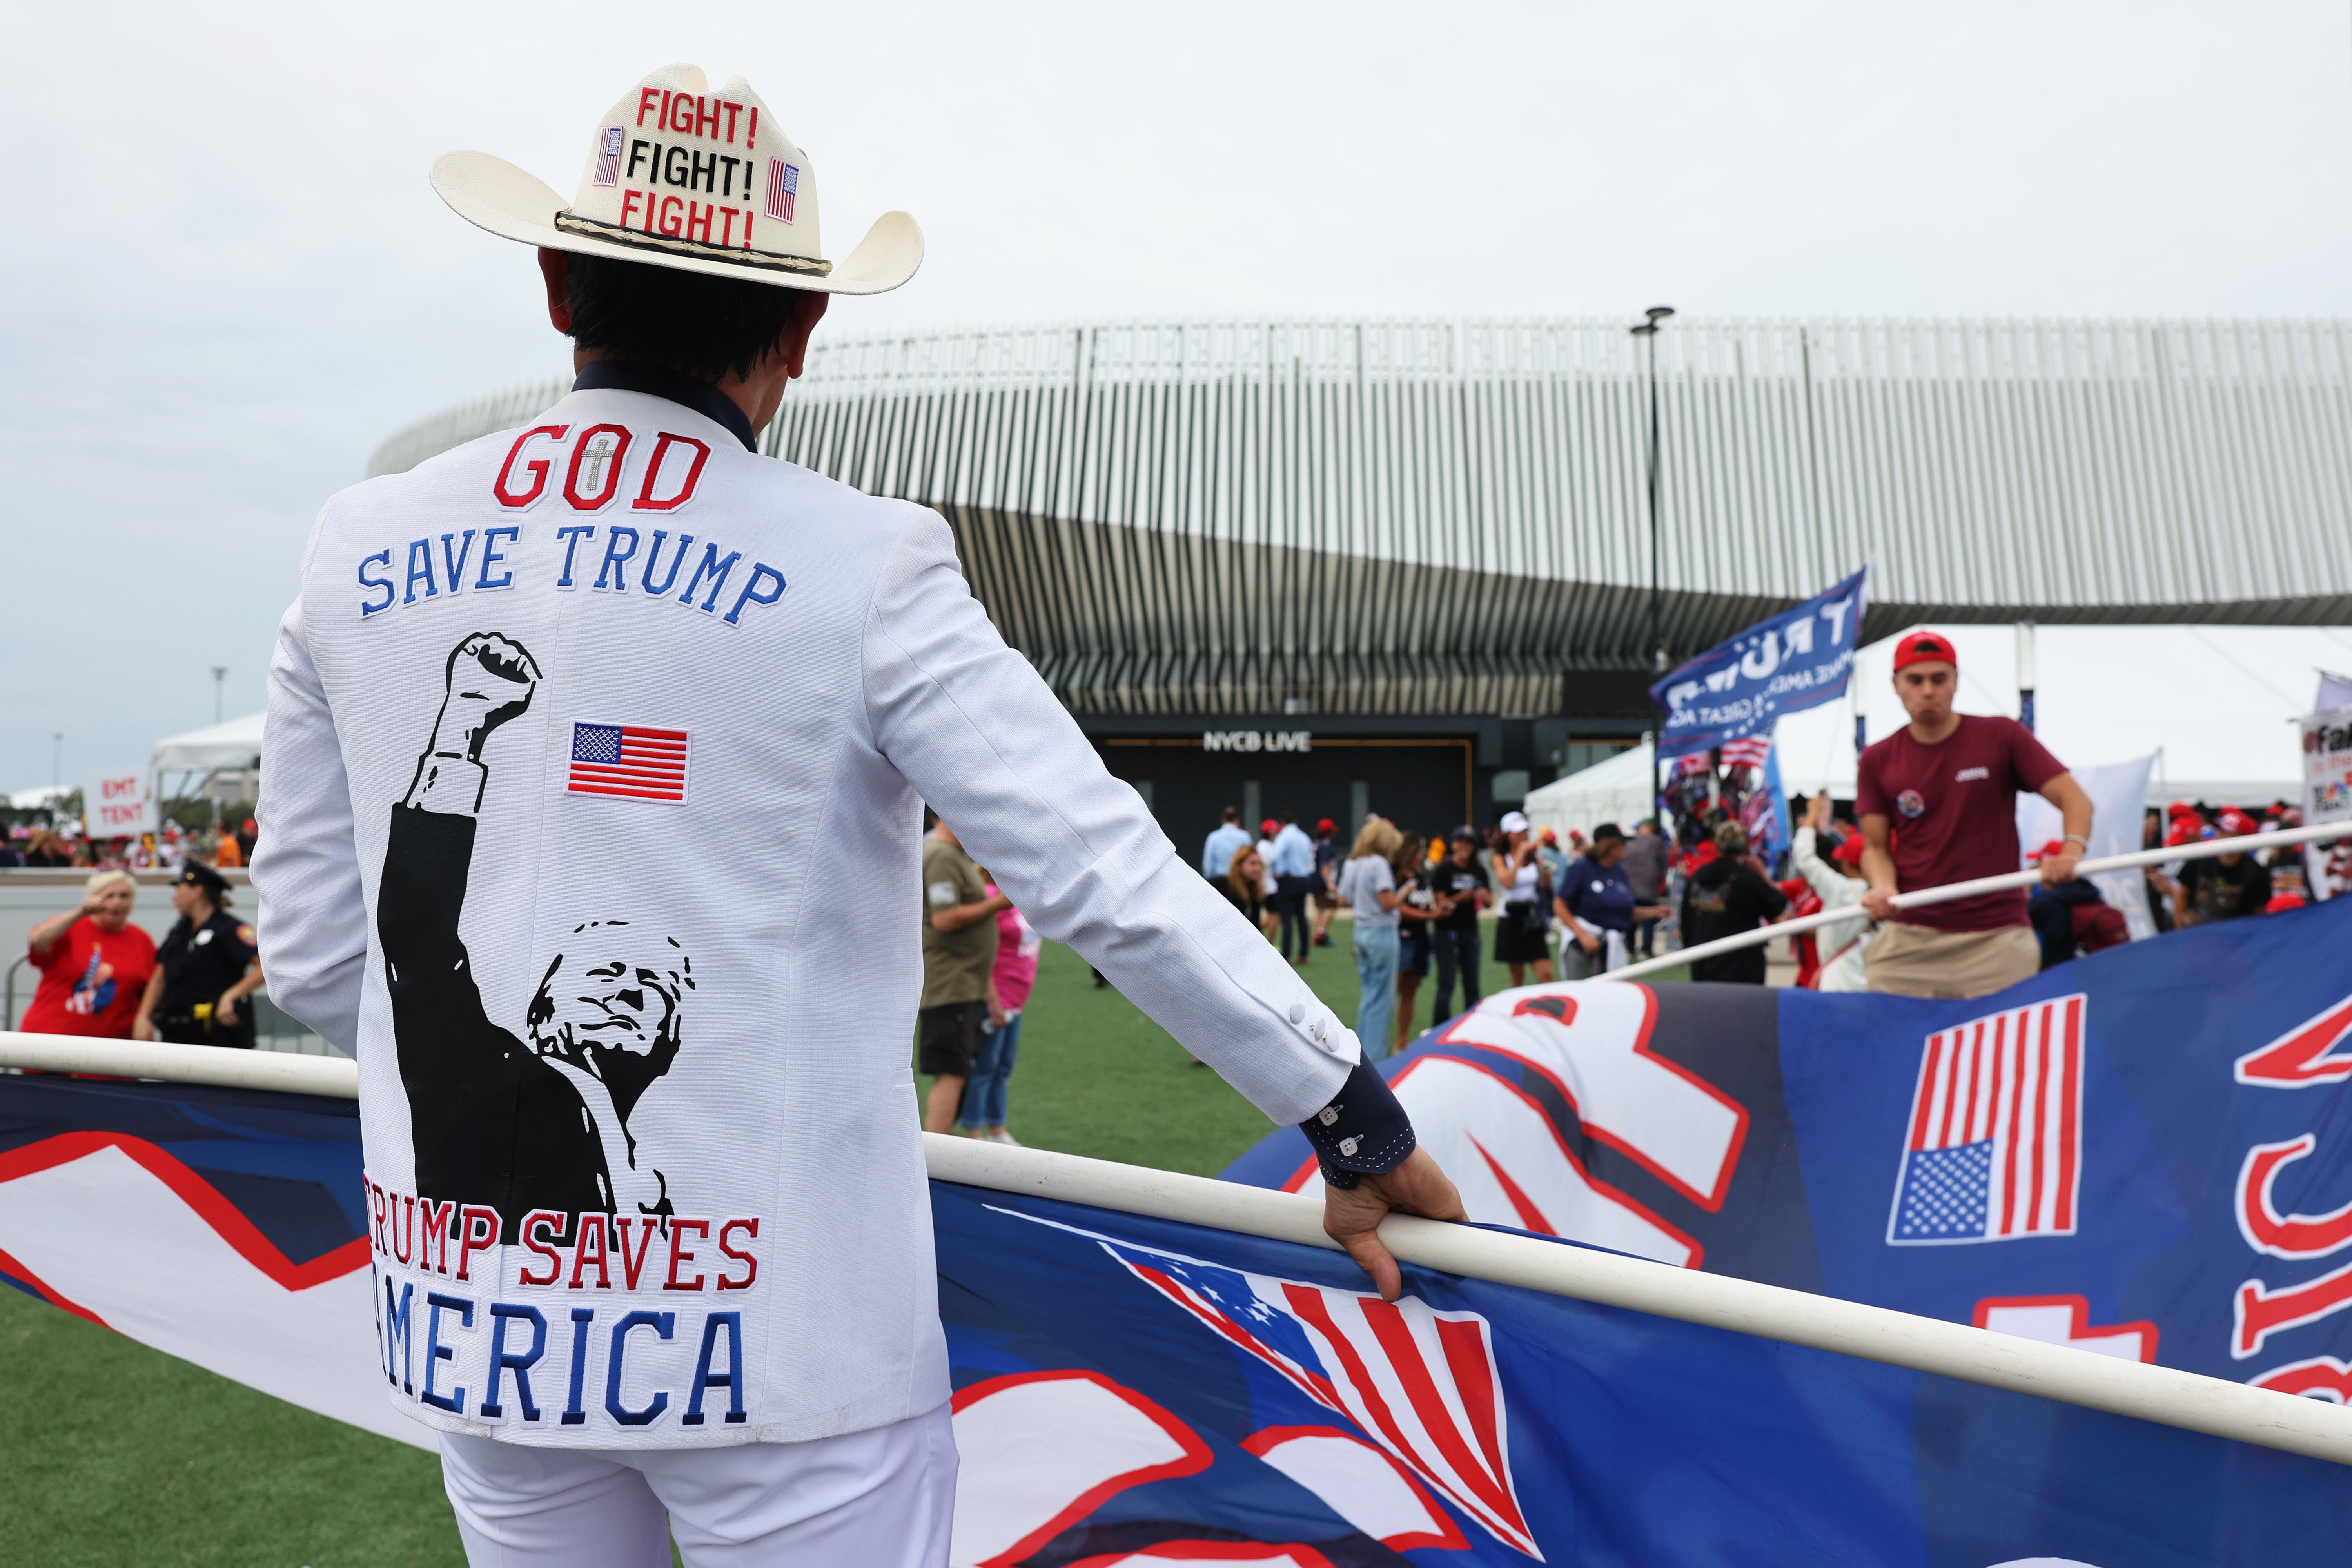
1363 1132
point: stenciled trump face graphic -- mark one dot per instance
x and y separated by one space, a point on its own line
609 1006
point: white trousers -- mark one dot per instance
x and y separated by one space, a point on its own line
883 1498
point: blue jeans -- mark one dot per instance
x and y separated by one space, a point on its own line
1376 967
1456 951
992 1066
1645 932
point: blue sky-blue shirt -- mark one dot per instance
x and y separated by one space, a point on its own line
1294 852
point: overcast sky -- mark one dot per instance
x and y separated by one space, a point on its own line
226 279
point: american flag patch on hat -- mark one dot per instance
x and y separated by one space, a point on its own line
608 158
631 761
783 189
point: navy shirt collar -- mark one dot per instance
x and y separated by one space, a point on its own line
608 375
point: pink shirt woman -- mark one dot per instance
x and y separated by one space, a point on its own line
981 1115
1017 946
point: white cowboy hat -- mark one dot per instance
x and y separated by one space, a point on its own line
680 176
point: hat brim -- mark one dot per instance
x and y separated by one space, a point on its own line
493 194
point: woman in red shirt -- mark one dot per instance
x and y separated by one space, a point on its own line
94 964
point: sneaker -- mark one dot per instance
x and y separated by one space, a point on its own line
1004 1136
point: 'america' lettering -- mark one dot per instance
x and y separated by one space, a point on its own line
442 1346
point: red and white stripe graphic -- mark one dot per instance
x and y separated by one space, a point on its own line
2013 1079
1420 1382
783 189
1747 752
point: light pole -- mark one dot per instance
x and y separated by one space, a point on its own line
1649 330
220 673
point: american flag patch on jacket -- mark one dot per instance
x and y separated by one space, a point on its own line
1995 1150
608 158
783 189
629 761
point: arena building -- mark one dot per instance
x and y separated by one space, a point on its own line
1410 565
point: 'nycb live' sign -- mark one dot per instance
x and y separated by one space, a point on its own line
1797 660
1257 741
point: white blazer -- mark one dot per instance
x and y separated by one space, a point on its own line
1840 942
591 804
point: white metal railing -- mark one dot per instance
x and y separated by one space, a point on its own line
2248 844
2160 1393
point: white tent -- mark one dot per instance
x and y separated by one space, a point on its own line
236 744
1615 791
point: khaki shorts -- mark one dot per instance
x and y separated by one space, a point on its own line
1916 961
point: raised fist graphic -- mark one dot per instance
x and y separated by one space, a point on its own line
491 679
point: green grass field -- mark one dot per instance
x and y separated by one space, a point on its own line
197 1471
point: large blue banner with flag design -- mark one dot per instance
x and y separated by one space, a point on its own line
2143 1154
2147 1152
1797 660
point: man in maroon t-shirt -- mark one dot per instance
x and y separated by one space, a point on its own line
1939 804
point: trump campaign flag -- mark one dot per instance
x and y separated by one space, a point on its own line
2144 1154
1797 660
1144 1393
223 1226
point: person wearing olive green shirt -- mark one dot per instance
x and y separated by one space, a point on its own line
959 958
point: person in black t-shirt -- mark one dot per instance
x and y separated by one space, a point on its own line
1457 887
1416 912
1323 891
2221 888
1724 898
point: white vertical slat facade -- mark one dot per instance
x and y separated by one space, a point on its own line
1433 516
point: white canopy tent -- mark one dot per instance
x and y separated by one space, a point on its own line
1615 791
196 756
235 744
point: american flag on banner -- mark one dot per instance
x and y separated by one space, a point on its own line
783 189
1994 1150
1420 1383
608 158
629 761
1696 762
1747 752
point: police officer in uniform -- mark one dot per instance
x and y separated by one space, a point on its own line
204 971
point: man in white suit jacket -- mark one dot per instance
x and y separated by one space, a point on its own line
593 780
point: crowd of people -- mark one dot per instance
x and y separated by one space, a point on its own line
62 846
1935 806
1414 901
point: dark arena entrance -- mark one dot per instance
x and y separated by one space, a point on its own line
1429 773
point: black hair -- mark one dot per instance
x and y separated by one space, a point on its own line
1608 831
701 326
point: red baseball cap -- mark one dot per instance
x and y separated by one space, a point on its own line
2235 824
1923 648
1327 825
1269 827
1848 849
